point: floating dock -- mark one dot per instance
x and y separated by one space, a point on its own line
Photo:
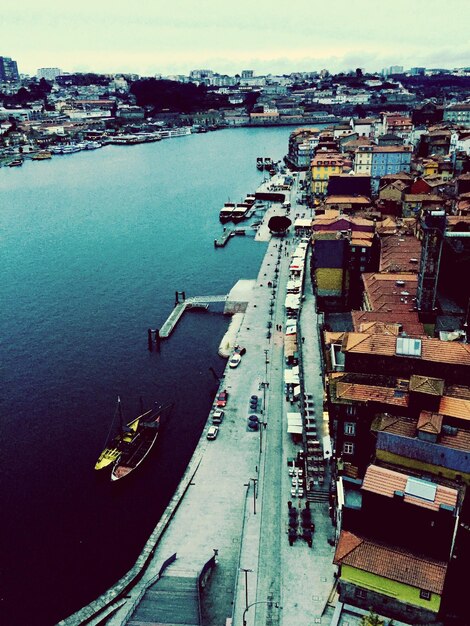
198 302
223 239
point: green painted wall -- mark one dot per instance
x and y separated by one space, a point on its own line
403 593
402 461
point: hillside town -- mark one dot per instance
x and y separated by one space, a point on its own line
60 109
382 170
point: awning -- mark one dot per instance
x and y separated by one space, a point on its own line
291 329
296 391
294 423
291 377
292 301
327 451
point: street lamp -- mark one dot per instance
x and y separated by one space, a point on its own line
268 602
244 569
261 426
255 481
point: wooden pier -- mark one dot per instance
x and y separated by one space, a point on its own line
223 239
198 302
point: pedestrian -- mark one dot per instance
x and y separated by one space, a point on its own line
303 339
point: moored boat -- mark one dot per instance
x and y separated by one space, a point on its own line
42 155
139 442
226 212
112 451
239 212
260 163
15 163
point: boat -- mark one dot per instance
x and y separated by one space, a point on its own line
43 154
260 163
112 451
226 212
93 145
268 163
70 148
15 163
239 212
137 442
56 149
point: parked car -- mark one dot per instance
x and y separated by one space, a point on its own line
212 432
217 416
235 360
222 399
239 350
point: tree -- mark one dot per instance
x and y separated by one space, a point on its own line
371 620
359 72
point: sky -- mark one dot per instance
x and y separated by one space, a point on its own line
149 37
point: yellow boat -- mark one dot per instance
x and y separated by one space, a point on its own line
113 450
40 156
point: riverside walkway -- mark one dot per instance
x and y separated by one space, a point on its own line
233 499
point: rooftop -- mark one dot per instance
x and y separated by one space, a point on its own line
435 350
389 562
408 320
390 292
399 253
422 493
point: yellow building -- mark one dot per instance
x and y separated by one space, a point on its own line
324 165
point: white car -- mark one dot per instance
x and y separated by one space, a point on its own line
217 416
212 432
235 360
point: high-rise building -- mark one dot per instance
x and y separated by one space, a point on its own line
48 73
247 73
418 71
8 70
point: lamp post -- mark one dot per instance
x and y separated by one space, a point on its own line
268 602
255 482
265 382
246 570
261 426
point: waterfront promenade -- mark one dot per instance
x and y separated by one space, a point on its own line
233 498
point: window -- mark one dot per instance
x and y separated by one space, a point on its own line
425 595
350 410
349 428
360 593
348 448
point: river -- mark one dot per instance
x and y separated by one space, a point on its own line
93 247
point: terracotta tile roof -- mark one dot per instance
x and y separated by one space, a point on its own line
455 407
372 393
380 328
430 422
409 320
435 350
383 294
347 199
391 563
385 482
426 384
399 253
396 425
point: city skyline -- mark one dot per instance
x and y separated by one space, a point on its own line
107 38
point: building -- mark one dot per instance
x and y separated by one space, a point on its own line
8 70
399 584
458 113
417 71
378 161
324 164
48 73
